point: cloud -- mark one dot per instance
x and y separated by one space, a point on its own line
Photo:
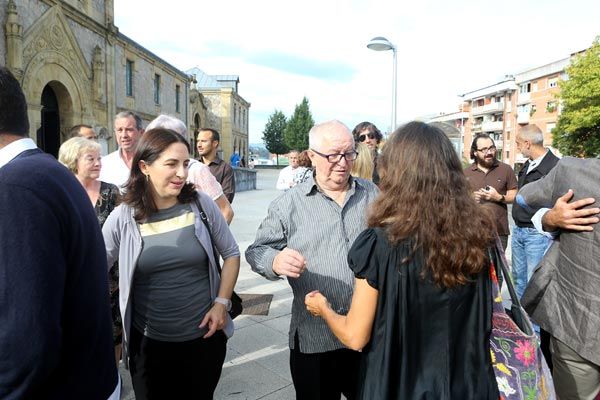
333 71
284 51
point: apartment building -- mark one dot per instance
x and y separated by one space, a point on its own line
536 100
528 97
491 111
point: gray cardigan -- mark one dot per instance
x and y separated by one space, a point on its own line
124 243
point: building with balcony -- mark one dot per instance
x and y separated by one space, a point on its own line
536 101
528 97
491 109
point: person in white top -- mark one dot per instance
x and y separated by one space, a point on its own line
286 176
198 173
117 165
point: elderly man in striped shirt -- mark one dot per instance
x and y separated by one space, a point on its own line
306 237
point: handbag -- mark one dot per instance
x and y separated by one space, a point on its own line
519 365
236 302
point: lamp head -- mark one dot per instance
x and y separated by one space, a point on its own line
380 43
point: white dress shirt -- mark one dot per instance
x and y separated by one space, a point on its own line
10 151
114 170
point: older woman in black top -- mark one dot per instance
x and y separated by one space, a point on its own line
82 157
422 305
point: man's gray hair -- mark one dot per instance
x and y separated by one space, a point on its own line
533 133
168 122
316 133
129 114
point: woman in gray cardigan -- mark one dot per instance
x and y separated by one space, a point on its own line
173 299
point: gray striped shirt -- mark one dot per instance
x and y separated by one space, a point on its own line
308 221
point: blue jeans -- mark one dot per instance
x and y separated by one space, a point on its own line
528 248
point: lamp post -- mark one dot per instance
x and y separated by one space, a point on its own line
382 44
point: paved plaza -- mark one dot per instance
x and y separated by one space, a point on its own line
256 366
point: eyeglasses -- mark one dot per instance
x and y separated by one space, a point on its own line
335 158
363 137
490 149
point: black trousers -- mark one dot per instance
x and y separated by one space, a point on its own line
324 376
175 370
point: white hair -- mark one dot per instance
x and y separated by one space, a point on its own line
168 122
532 132
318 131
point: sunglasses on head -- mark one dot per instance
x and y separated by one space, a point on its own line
363 137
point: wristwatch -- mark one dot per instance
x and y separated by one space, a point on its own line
502 199
224 301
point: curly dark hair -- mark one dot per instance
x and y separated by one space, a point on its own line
425 197
473 150
366 125
138 193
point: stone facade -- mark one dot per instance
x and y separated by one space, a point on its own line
73 65
220 107
70 60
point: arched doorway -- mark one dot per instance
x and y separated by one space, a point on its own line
48 136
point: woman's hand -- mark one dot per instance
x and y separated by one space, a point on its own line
215 318
316 303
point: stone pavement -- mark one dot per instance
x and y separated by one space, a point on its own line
256 366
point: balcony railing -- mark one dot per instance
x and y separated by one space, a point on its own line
523 117
524 98
491 126
489 108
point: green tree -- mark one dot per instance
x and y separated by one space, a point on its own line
577 131
273 134
296 132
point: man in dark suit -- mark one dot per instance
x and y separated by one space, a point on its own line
55 321
529 245
562 295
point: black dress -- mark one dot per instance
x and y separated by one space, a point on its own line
427 342
107 200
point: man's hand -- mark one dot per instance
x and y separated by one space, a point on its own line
571 216
489 195
289 263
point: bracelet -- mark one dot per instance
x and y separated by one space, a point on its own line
224 301
502 199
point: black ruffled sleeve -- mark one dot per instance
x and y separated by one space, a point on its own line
362 258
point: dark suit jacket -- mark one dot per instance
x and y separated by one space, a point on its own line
521 216
563 295
55 321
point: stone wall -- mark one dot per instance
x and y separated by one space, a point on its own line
245 179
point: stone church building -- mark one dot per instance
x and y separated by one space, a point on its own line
75 67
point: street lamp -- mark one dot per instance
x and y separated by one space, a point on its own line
382 44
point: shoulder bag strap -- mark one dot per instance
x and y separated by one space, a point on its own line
517 312
204 219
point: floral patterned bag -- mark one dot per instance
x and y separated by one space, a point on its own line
520 368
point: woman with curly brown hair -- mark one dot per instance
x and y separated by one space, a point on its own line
422 305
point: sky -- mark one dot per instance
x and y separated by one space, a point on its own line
283 51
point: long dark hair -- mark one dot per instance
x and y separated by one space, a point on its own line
138 193
425 197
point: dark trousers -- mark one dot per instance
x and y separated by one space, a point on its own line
324 376
175 370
